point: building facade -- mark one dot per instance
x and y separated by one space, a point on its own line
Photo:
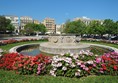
86 20
14 22
24 20
58 29
50 25
36 22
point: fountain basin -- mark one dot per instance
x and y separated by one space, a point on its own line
58 48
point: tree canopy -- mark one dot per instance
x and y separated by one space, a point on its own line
5 24
33 28
75 27
100 28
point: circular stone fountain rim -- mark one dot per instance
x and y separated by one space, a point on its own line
14 49
65 45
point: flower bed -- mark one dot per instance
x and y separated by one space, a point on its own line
84 64
100 40
24 64
68 65
10 41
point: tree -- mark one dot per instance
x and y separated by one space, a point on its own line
109 26
29 28
95 27
5 24
40 28
34 28
75 27
10 27
115 31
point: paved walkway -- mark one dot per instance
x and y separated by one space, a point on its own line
24 37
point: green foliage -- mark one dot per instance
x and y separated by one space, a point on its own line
40 28
32 28
29 28
10 27
75 27
95 27
109 25
5 24
11 77
100 28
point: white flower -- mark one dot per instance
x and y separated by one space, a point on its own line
66 64
71 54
54 69
96 55
72 65
59 64
79 70
75 56
64 68
77 73
52 73
89 62
68 60
78 63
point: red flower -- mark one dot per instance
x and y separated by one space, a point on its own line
115 67
104 67
20 65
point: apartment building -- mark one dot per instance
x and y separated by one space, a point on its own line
14 22
36 22
58 29
24 20
50 25
86 20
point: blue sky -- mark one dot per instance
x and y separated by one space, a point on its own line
61 10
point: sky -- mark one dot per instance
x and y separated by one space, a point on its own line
61 10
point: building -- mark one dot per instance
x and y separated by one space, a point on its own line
14 22
50 25
86 20
24 20
58 29
36 22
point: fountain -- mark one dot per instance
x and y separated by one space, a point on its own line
58 45
63 44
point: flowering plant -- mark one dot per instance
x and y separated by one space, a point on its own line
25 64
6 61
107 64
71 65
31 64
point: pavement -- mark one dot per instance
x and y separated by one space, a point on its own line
24 37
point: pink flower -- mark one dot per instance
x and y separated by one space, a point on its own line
82 65
94 65
86 68
98 60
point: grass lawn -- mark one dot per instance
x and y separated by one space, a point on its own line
102 43
8 46
12 77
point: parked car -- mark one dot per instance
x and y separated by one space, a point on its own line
114 38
